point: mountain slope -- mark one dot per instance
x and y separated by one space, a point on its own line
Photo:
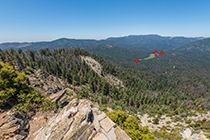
198 48
141 87
187 64
144 92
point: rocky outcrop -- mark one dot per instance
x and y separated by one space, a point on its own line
13 126
60 95
97 68
190 134
47 84
80 120
73 119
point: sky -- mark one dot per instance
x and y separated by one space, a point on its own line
39 20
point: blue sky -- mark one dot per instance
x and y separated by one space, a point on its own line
36 20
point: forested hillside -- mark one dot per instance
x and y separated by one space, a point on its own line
185 67
143 91
185 63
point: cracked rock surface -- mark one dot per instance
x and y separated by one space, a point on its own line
80 120
75 119
13 126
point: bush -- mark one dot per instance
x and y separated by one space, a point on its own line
103 108
12 83
164 135
117 116
15 91
188 121
201 124
134 134
28 70
131 125
156 120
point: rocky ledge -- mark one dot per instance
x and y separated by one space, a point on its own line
80 120
76 119
13 126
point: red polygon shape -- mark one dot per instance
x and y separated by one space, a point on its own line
161 52
155 52
136 60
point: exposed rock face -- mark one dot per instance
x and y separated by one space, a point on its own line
13 126
80 120
62 97
76 119
190 134
47 84
96 66
93 64
37 121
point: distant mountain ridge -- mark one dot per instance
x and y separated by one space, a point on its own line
4 46
153 40
140 41
195 47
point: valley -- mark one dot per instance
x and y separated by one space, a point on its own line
166 97
104 70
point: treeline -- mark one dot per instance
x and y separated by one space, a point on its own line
143 91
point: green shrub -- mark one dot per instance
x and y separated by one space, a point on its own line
131 125
201 124
117 116
28 70
188 121
134 134
177 119
156 120
103 108
15 92
12 83
164 135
